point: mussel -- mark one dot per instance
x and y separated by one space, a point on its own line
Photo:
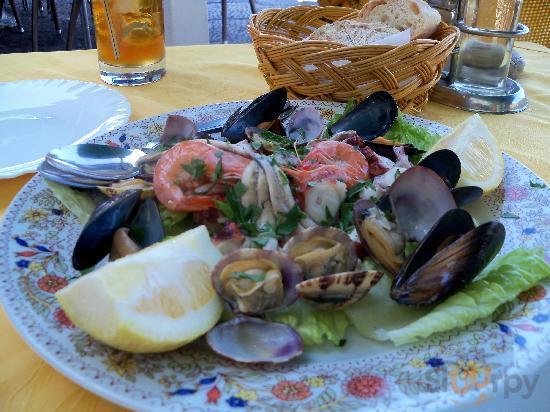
252 340
124 210
253 281
451 255
447 165
265 108
371 118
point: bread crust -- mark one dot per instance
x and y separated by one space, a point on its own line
403 14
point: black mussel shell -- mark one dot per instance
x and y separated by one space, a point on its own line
418 198
96 238
146 226
450 256
265 108
466 194
387 151
446 164
371 118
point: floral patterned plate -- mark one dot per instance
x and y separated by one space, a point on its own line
37 236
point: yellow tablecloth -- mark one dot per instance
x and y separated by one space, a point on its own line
200 75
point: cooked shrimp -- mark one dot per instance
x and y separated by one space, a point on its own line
331 160
188 177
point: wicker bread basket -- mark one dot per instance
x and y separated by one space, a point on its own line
324 70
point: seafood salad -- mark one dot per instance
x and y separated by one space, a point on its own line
305 219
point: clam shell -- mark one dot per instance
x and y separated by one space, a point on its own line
419 197
319 267
338 290
252 340
291 274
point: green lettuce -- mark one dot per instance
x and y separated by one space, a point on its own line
418 136
174 223
314 325
79 203
499 283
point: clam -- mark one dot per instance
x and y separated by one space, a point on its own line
103 232
252 340
371 118
304 125
338 290
253 281
321 251
418 198
381 237
265 108
178 128
451 255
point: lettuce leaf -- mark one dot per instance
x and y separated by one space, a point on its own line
312 324
418 136
499 283
80 204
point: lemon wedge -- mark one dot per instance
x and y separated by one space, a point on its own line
152 301
480 156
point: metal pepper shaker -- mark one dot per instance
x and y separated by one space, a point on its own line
475 77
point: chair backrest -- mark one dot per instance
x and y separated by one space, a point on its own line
186 22
536 15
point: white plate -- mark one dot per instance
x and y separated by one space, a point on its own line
37 116
38 235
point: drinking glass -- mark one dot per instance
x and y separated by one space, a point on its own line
130 41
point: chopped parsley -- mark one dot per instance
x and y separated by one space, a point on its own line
247 216
260 277
197 168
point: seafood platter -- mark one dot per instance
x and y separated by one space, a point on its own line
287 261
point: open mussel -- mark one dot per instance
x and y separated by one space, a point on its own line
371 118
252 340
466 194
265 108
253 281
103 229
451 255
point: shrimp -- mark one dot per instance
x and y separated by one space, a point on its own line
333 161
190 176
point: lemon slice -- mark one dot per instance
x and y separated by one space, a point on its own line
155 300
477 148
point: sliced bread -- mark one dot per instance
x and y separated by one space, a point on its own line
416 15
352 32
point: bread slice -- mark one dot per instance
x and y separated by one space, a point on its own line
416 15
352 32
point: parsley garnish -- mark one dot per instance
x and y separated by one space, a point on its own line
260 277
287 224
244 216
346 221
197 168
537 185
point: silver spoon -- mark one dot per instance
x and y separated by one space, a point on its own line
49 172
